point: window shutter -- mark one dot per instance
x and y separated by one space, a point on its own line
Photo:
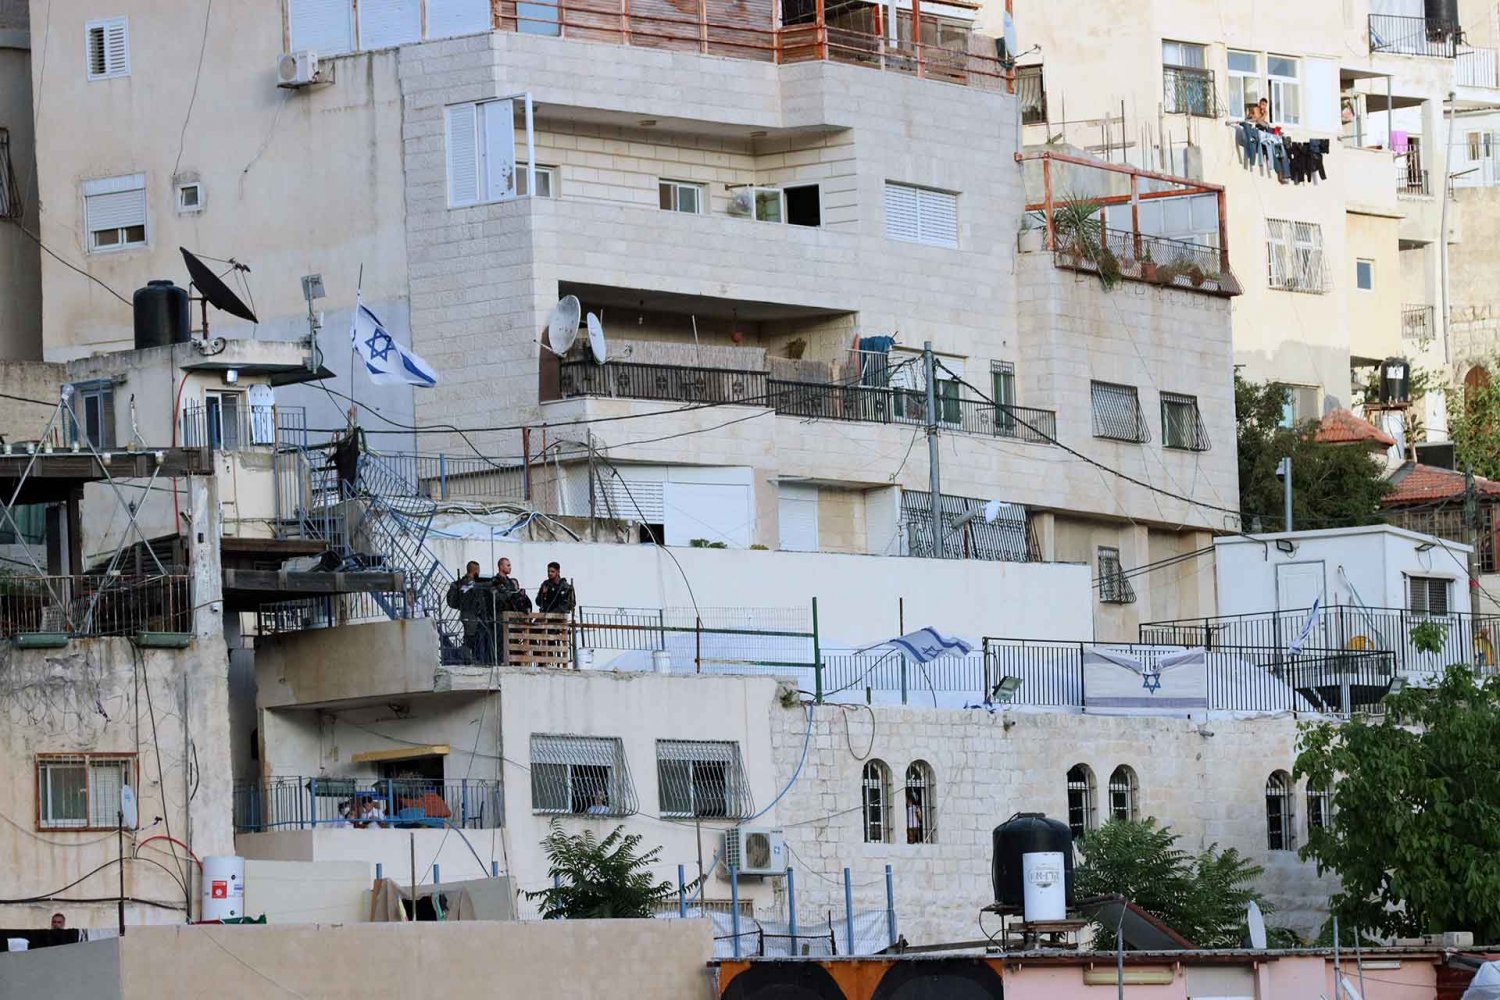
98 62
386 23
463 155
115 203
938 217
499 150
901 213
446 18
325 26
1322 77
116 49
797 508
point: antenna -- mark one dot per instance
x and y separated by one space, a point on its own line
213 292
562 325
596 340
1257 925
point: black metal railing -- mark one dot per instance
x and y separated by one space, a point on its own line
671 383
1411 179
10 192
1188 91
1417 324
234 428
1032 94
1414 36
98 605
328 802
1158 260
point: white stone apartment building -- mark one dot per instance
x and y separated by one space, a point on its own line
1337 272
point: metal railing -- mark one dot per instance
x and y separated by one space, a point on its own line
448 477
10 193
1411 179
1158 260
627 380
1031 93
333 610
307 803
243 427
1417 325
1466 638
1448 523
1189 91
1478 68
88 606
1413 36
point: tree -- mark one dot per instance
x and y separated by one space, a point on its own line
1474 426
599 879
1415 840
1332 484
1203 898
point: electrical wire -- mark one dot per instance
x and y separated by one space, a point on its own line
145 675
33 237
193 99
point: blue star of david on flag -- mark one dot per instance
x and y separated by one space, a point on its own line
386 361
380 345
1151 680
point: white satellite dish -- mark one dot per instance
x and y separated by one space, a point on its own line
596 340
562 325
127 808
1257 925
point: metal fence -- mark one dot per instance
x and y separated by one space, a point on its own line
305 803
1478 67
628 380
967 532
449 477
10 192
1411 178
115 605
1156 260
1417 325
230 428
713 640
332 610
1413 36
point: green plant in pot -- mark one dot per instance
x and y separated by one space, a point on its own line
1148 265
1196 276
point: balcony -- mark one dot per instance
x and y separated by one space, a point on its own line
327 802
1188 91
232 427
1478 68
1411 178
1414 36
94 606
1418 326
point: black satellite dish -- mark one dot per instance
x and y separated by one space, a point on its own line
213 290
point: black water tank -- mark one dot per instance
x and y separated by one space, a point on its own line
1395 381
1028 833
161 315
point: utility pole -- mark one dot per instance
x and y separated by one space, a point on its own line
934 478
1284 470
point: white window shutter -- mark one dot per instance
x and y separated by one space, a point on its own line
499 150
938 217
324 26
797 508
1322 86
901 212
446 18
116 49
387 23
463 155
115 202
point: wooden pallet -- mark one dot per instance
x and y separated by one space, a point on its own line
537 640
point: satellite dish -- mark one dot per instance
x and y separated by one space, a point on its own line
596 340
1257 924
742 202
127 807
562 325
213 289
992 511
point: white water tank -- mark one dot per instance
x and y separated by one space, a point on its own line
223 887
661 661
1043 886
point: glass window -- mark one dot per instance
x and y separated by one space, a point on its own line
1364 275
1185 54
701 778
682 196
875 796
1123 793
546 181
1319 807
114 210
584 775
224 419
1246 85
1281 832
1080 800
1181 424
81 791
1427 594
1285 86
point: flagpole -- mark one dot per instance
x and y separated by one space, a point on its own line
353 415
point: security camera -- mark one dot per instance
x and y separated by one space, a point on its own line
1283 468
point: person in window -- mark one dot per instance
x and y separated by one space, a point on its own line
913 817
508 593
1263 111
59 922
555 595
371 812
599 807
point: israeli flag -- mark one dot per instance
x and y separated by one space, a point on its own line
386 362
1307 626
928 644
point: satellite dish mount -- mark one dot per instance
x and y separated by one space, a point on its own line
212 291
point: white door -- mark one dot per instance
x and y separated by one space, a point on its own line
798 520
1298 585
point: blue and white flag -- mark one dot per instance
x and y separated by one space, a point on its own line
386 362
1307 626
928 644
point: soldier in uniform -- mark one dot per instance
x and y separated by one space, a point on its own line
555 595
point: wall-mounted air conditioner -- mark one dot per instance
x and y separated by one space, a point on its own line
298 69
755 851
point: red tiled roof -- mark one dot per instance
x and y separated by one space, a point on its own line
1343 427
1416 483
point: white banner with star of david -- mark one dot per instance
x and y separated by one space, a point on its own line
1145 679
386 362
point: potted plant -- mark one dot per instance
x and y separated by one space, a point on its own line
1148 266
1195 275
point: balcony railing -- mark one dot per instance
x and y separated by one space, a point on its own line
1031 94
1413 36
1411 179
668 383
234 427
88 606
1417 325
1187 91
1152 259
10 192
326 802
1478 68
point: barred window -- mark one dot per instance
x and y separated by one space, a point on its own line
703 779
582 775
1181 423
875 799
1294 256
1114 587
1427 594
1117 412
1080 800
1281 828
1319 807
921 802
1124 791
81 791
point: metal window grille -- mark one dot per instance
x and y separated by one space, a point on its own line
1123 793
1080 800
1117 412
1319 807
1281 832
1114 588
1294 256
1427 594
921 801
875 794
702 779
583 775
1007 538
1189 91
1003 392
10 193
1181 423
82 791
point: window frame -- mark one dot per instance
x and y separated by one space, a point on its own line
1281 812
1430 585
1240 107
214 425
1319 807
1181 101
1276 86
1114 585
1083 793
1295 260
1367 282
483 193
1124 787
1127 396
579 754
130 767
923 233
1196 438
101 393
722 755
676 187
180 189
101 187
547 170
920 795
1003 392
875 801
104 25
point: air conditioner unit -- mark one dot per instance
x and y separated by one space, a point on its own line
755 851
298 69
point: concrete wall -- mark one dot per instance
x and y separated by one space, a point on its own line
35 380
352 661
1475 303
20 257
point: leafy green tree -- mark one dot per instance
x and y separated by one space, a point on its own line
1415 839
599 879
1332 485
1474 426
1203 898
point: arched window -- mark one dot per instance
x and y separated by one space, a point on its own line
921 802
1281 827
1124 794
1319 806
875 797
1080 800
1476 378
